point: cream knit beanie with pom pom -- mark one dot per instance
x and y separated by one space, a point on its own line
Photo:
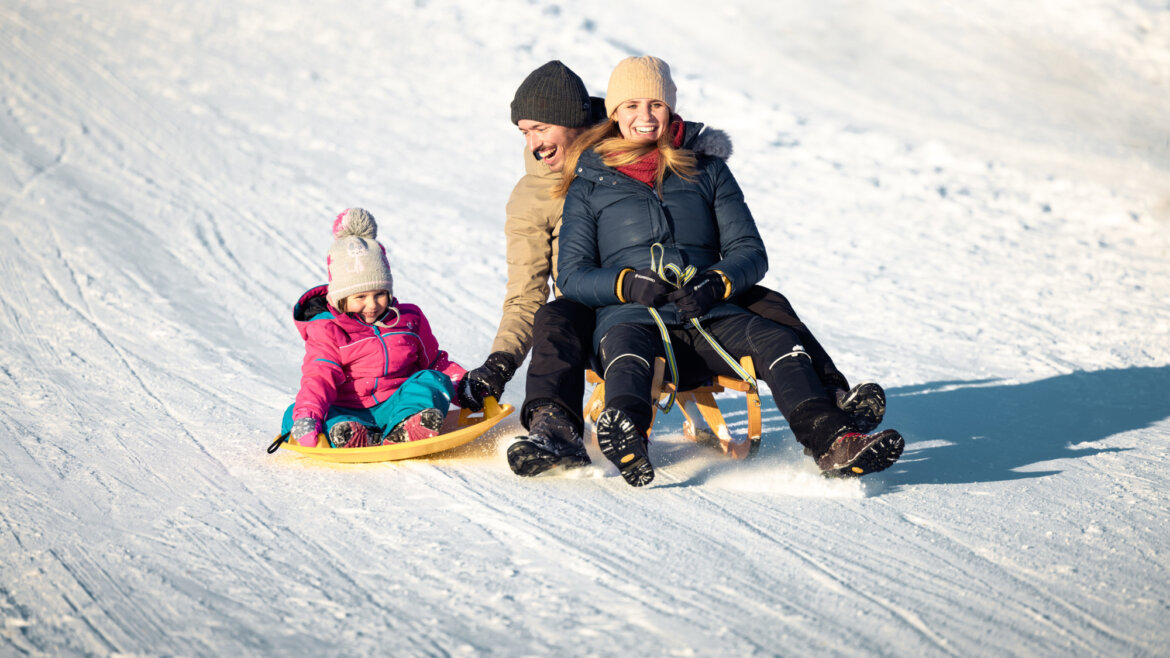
356 262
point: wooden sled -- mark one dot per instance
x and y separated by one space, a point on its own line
699 403
461 426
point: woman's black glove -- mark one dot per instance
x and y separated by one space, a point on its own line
698 296
645 287
486 380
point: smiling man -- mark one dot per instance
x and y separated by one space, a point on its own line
551 109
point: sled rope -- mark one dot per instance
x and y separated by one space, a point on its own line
276 443
678 277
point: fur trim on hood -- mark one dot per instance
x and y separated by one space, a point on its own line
713 142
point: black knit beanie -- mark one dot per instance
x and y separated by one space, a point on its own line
553 94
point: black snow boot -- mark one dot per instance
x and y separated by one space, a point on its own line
624 445
552 441
865 404
854 454
840 450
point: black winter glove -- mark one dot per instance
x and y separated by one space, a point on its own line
488 379
698 295
645 287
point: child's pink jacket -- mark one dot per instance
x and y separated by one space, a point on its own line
352 364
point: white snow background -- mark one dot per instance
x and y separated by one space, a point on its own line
968 202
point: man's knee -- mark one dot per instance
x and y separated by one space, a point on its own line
564 312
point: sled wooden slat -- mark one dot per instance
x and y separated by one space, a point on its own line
460 427
699 403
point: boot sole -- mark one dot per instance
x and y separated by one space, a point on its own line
626 451
867 406
877 456
526 459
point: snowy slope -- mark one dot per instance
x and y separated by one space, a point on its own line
970 203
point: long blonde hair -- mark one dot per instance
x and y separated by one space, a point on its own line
617 151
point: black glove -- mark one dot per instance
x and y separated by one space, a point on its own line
645 287
698 295
488 379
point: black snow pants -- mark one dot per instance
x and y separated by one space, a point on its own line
628 351
774 306
562 340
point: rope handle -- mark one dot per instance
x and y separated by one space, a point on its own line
276 443
678 277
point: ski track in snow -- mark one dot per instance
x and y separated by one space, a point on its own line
968 205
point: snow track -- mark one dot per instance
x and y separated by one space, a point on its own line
968 207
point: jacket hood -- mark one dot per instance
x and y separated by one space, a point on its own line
711 142
703 140
312 303
313 306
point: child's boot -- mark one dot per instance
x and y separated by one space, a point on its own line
625 445
422 425
349 434
552 441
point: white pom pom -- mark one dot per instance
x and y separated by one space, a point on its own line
355 221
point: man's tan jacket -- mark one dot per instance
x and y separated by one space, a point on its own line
532 228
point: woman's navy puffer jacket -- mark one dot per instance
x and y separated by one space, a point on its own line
611 220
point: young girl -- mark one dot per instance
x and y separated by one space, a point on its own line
373 372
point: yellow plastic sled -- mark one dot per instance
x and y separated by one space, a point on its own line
460 427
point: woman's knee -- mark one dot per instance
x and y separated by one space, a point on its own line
628 347
765 336
628 364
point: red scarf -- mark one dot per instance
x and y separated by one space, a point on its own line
646 168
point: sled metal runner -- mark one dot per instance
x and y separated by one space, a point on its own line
460 427
699 404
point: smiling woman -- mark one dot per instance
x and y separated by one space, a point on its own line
642 119
643 133
657 238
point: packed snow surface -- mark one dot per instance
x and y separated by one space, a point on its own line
968 202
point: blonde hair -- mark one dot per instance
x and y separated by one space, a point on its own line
617 151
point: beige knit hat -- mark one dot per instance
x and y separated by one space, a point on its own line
639 77
356 262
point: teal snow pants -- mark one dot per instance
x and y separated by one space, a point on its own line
425 389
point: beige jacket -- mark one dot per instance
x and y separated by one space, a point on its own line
532 228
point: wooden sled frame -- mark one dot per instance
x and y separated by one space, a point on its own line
698 403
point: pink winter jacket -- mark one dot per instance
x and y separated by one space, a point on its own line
353 364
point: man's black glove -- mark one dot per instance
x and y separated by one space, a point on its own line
488 379
698 295
645 287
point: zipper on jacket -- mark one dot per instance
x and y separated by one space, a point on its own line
385 351
385 363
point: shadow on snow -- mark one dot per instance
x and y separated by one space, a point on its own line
972 431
